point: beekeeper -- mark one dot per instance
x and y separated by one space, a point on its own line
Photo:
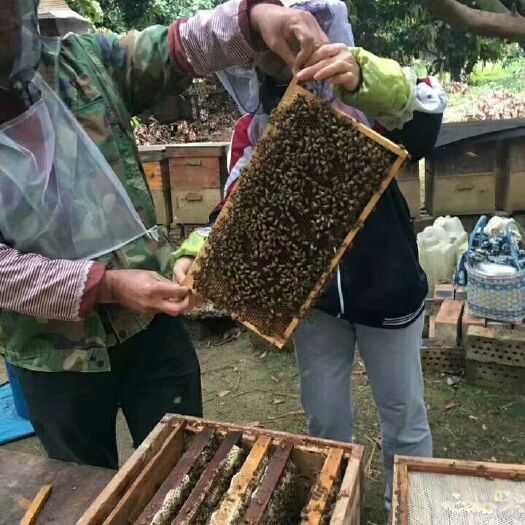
88 315
376 299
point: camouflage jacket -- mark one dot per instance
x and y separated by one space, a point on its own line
105 78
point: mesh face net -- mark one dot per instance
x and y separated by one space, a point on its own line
303 191
440 499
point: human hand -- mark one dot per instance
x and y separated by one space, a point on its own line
181 269
281 28
180 272
145 292
335 63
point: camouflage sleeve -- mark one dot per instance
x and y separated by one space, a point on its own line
49 289
158 61
140 65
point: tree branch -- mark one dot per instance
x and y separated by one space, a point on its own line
504 25
493 6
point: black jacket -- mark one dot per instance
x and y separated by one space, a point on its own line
381 281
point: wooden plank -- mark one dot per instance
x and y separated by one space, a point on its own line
177 475
274 473
149 480
197 149
162 203
208 481
116 488
33 511
411 190
194 424
279 340
317 506
243 482
195 173
456 467
348 504
23 475
400 493
194 206
157 175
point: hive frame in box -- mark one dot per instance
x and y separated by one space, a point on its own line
138 482
293 91
403 465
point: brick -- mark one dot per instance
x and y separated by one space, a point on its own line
460 293
468 321
444 292
432 306
502 346
448 322
432 327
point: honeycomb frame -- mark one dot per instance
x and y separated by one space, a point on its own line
279 339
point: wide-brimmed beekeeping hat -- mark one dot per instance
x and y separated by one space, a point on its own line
57 18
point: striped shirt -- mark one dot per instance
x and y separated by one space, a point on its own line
66 290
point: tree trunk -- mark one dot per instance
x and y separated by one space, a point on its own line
501 24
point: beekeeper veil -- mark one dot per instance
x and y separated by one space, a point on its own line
244 83
58 195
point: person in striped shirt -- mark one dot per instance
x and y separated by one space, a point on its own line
89 334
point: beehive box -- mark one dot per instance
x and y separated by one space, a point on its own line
312 182
191 471
156 168
410 186
510 186
453 492
460 179
197 174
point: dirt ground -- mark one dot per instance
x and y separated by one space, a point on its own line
248 385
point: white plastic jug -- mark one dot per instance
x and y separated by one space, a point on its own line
439 246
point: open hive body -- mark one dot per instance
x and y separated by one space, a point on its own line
312 182
191 471
450 492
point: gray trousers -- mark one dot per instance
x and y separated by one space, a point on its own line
325 353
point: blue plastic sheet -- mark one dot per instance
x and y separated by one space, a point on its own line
12 426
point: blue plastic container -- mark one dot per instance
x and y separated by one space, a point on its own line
18 397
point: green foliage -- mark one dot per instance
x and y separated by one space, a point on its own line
400 29
89 8
122 15
404 31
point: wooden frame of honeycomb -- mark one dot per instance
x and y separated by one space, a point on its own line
278 330
191 471
403 513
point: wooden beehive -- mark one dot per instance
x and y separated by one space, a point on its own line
410 186
155 164
510 185
186 464
452 492
278 324
460 179
197 174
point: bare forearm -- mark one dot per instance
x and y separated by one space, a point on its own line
50 289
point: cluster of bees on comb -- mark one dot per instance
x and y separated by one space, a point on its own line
302 193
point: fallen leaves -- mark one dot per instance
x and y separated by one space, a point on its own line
450 406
